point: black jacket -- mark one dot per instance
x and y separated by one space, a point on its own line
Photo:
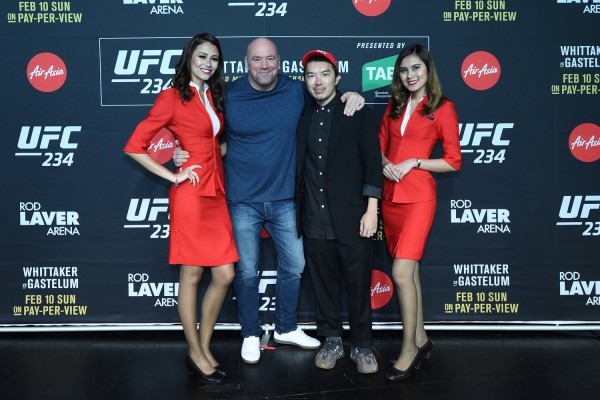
354 171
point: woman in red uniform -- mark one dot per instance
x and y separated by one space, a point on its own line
417 116
200 234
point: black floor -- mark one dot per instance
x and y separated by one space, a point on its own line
150 365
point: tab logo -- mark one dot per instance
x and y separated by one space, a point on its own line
378 74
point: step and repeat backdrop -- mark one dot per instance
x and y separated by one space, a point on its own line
516 238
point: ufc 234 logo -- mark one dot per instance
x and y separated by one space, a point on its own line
267 302
487 140
133 66
267 278
578 210
150 214
265 9
56 144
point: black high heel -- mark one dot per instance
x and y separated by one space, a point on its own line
394 374
221 371
212 379
426 350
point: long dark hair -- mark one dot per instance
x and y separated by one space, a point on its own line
183 75
433 87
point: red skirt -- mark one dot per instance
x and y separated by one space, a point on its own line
406 227
201 233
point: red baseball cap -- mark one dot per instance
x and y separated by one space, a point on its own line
322 53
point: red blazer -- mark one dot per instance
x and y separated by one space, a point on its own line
191 125
420 136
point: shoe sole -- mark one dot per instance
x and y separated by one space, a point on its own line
324 367
298 345
250 361
334 362
364 372
367 372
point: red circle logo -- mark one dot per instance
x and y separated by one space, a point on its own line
162 146
584 142
481 70
46 72
371 8
382 289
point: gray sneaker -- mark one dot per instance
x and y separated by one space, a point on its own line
329 353
364 359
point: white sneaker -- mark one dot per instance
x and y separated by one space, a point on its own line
251 350
297 338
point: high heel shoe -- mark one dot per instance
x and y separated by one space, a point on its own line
221 371
426 350
394 374
212 379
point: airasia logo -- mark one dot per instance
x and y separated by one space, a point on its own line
162 146
46 72
481 70
382 289
584 142
371 8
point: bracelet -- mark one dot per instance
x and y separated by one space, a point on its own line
176 183
418 163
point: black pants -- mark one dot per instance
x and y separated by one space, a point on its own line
329 262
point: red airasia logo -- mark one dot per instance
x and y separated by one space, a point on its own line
382 289
584 142
46 72
162 146
371 8
481 70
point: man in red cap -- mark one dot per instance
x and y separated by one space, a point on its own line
262 114
338 183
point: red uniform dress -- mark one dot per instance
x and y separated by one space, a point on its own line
408 206
200 232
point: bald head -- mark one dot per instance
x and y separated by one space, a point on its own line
261 45
262 62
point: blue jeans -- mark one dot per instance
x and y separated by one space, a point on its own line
279 219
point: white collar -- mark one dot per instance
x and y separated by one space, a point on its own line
195 85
